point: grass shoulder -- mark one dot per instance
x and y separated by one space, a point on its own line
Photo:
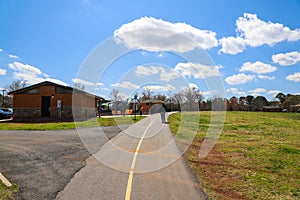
7 192
256 157
111 121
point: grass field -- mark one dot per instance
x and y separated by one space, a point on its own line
113 121
256 157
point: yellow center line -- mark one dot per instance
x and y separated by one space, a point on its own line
129 183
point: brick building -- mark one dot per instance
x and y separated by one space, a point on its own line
51 101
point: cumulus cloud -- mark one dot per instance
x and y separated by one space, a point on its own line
266 77
13 56
294 77
24 68
31 74
147 70
235 91
2 71
126 85
232 45
83 82
257 91
273 92
256 32
239 79
165 75
285 59
197 70
159 88
257 67
153 34
1 50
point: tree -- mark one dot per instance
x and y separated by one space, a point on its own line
234 104
160 97
117 99
178 100
16 85
281 97
249 100
79 86
198 95
147 93
242 103
291 101
259 102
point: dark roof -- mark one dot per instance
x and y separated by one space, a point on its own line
48 83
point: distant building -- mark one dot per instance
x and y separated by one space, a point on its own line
272 109
47 100
146 105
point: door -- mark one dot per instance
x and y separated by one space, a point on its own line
46 106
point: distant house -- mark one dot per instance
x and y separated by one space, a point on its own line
47 100
146 105
272 109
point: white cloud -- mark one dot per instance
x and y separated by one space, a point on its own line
232 45
235 91
193 85
294 77
153 34
257 67
255 32
147 70
1 50
258 90
2 71
24 68
152 70
167 76
239 79
285 59
273 92
126 85
197 70
31 74
159 88
266 77
83 82
13 56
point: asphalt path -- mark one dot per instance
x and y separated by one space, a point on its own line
42 163
141 162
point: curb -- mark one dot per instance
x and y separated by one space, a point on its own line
4 180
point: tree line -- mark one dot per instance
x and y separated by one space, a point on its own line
192 99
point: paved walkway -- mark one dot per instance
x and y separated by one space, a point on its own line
142 162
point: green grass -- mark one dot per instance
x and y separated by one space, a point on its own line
7 192
70 125
256 157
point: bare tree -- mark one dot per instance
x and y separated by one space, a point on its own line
147 94
178 100
79 86
115 95
16 85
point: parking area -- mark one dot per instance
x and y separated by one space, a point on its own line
41 163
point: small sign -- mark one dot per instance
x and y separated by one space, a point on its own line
58 103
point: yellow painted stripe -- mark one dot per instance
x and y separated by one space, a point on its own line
129 182
5 181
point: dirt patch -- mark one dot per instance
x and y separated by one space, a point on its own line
216 171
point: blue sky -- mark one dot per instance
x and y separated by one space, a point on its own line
255 45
